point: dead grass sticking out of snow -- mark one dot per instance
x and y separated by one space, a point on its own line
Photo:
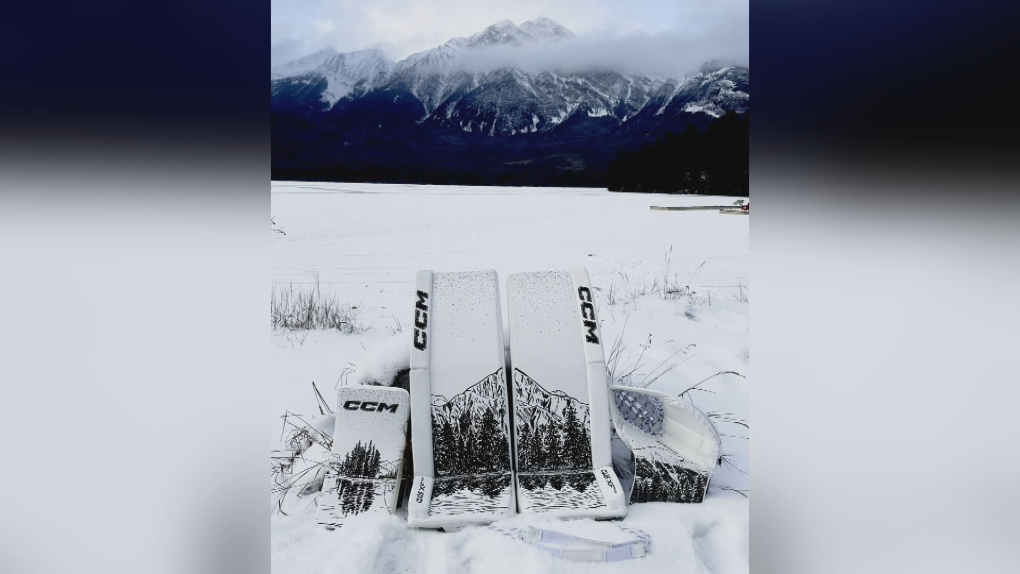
309 308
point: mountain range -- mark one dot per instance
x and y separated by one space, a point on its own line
486 394
538 406
439 114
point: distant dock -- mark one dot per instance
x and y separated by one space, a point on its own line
689 207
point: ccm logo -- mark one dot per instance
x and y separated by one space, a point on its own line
369 406
421 320
588 315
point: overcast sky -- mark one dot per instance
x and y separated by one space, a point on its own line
647 36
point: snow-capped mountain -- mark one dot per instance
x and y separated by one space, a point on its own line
511 101
546 29
507 101
536 406
435 74
502 32
361 115
350 74
475 400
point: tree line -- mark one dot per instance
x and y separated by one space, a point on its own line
714 161
555 446
362 461
458 448
659 485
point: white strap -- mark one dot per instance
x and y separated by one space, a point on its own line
576 549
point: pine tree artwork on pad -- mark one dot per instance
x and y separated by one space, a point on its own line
470 449
658 481
553 447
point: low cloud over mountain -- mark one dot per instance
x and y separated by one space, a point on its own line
531 95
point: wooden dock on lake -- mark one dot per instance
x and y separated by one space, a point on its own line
689 207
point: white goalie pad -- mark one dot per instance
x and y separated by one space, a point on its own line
365 466
561 398
460 435
676 447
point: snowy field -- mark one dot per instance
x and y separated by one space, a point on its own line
672 292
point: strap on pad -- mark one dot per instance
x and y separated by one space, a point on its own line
576 549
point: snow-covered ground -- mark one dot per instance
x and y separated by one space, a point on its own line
363 243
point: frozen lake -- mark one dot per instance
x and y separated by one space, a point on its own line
368 240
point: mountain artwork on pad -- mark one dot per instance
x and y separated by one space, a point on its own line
470 449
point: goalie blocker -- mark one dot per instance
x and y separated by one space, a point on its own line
365 465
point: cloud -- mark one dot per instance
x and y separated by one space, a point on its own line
324 27
657 37
286 50
669 53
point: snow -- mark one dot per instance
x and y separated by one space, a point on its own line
364 242
343 72
303 65
563 114
703 107
546 29
707 537
383 362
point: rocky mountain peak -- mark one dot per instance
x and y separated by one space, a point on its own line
503 32
546 29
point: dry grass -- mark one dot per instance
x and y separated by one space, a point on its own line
672 287
635 373
298 436
309 308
